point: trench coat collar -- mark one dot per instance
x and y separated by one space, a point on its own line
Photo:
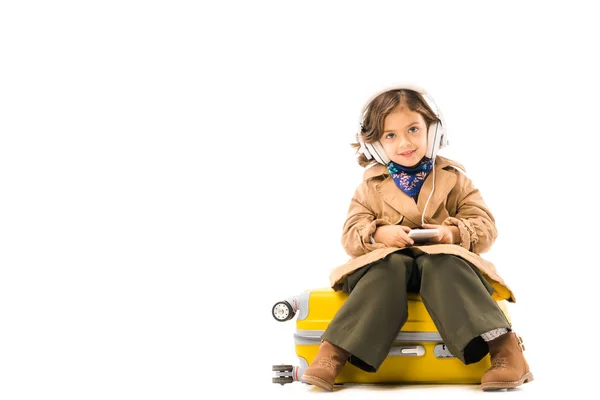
406 205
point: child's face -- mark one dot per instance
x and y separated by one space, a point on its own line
404 137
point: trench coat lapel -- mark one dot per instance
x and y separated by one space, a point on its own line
405 205
444 183
400 201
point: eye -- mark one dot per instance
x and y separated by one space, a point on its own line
390 136
413 129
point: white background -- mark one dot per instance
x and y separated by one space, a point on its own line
170 170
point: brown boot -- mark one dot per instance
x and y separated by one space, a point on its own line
509 368
326 366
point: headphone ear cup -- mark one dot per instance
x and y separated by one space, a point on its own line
434 139
373 152
364 150
444 138
378 153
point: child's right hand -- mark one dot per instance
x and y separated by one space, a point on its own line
393 236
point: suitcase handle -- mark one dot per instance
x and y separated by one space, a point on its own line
407 351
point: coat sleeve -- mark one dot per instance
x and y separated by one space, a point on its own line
361 222
474 220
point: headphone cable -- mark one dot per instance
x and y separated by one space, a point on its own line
430 194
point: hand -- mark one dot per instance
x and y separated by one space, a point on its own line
447 235
393 236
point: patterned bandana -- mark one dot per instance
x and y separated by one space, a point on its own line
410 180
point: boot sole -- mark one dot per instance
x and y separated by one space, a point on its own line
316 381
528 377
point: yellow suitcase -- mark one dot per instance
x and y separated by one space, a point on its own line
418 354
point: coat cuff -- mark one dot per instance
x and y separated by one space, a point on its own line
468 234
365 235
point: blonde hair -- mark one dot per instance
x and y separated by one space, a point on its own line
380 107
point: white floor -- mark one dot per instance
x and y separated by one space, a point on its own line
542 387
298 390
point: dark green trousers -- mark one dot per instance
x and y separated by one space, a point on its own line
454 292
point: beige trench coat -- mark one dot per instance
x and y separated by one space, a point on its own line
455 201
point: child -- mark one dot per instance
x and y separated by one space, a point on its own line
407 186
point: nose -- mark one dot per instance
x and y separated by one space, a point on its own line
403 143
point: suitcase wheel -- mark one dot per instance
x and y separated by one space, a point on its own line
283 311
283 368
283 380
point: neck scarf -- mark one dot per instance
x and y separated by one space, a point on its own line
410 180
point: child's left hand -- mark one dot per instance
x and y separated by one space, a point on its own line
447 235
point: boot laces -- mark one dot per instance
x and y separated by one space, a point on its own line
327 362
499 363
521 344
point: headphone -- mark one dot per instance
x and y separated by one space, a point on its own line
436 134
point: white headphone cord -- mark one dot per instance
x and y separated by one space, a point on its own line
430 194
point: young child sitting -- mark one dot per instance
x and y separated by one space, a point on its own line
407 186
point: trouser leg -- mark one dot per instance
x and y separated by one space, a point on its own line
370 319
459 300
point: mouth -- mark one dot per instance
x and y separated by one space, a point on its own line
407 153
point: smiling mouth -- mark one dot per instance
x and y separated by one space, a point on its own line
407 153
